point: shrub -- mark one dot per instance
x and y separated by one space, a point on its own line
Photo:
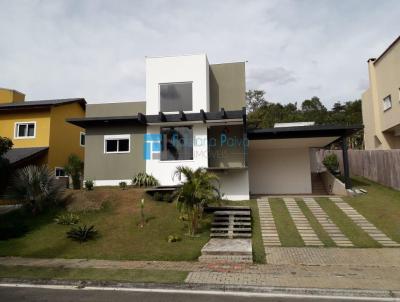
89 184
197 189
5 167
36 187
74 169
173 238
144 180
331 163
82 233
67 219
123 185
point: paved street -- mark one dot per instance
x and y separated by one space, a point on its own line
12 294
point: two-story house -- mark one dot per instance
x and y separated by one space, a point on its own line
381 101
194 115
39 131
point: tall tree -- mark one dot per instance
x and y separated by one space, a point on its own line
255 100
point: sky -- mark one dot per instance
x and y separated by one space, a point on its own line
96 49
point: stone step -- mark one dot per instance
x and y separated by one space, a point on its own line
226 235
231 229
236 223
225 259
232 213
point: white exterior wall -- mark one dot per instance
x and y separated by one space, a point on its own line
234 185
280 171
164 170
191 68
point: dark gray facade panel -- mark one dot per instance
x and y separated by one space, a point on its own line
101 166
227 86
115 109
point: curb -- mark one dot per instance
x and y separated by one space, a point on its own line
81 284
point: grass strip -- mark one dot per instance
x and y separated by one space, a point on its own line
95 274
288 234
346 225
317 227
257 242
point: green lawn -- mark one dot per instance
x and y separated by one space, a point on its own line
120 237
94 274
381 206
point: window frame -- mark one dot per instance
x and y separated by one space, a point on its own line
59 168
391 103
80 138
16 130
170 83
161 147
117 138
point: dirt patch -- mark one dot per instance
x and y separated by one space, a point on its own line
83 200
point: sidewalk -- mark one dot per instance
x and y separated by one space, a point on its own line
334 268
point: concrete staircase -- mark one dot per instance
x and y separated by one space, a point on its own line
232 222
227 251
230 236
318 187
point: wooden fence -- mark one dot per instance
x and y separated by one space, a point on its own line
381 166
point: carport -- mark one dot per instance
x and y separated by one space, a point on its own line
279 158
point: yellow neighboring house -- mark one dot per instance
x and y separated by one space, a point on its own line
381 102
39 131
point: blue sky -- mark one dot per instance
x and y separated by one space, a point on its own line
95 49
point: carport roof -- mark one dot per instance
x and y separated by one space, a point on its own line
303 132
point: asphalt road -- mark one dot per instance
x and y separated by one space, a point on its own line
11 294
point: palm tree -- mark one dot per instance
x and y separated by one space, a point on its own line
198 188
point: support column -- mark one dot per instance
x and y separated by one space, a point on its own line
346 171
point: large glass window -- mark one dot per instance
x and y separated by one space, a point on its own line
175 97
117 143
176 143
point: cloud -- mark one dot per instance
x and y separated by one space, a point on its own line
264 76
96 49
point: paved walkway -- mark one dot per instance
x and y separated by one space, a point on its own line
382 257
363 223
306 277
268 228
306 232
331 228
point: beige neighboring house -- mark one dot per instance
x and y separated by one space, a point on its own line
381 102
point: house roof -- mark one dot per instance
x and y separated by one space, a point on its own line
18 155
303 132
160 118
42 104
387 49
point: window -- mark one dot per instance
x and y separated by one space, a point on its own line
117 143
25 130
60 172
82 138
176 143
175 97
387 103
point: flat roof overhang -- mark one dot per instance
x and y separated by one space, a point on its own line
163 118
330 133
